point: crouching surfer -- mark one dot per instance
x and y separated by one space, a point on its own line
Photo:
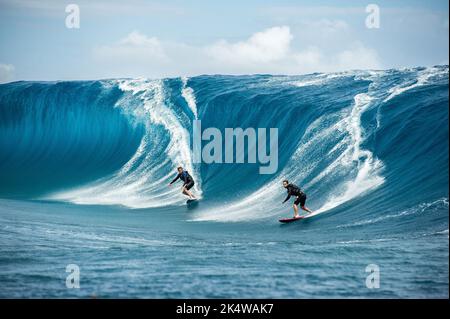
293 190
188 182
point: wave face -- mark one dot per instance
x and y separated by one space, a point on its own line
362 140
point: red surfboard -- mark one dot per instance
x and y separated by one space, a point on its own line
289 220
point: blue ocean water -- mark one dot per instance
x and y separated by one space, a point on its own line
84 168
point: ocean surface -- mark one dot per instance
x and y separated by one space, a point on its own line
84 168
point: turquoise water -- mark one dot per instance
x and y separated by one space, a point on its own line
159 254
84 168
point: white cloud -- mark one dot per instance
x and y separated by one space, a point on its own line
6 73
138 40
130 55
271 51
309 59
358 57
314 59
262 47
268 51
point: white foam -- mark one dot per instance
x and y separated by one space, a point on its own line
251 207
310 82
139 183
423 78
323 78
368 176
364 241
188 94
419 209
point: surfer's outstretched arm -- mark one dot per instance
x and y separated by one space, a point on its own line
175 179
287 198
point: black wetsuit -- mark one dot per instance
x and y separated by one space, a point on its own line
293 190
186 178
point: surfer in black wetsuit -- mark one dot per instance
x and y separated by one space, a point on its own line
188 182
293 190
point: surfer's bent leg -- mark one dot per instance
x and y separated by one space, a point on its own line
302 201
186 189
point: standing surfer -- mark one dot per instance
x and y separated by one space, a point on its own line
293 190
188 182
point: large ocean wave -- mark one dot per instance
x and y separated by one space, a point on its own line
361 140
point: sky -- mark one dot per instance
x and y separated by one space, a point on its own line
157 39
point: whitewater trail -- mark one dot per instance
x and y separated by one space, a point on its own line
138 184
364 170
352 159
368 168
188 94
423 208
